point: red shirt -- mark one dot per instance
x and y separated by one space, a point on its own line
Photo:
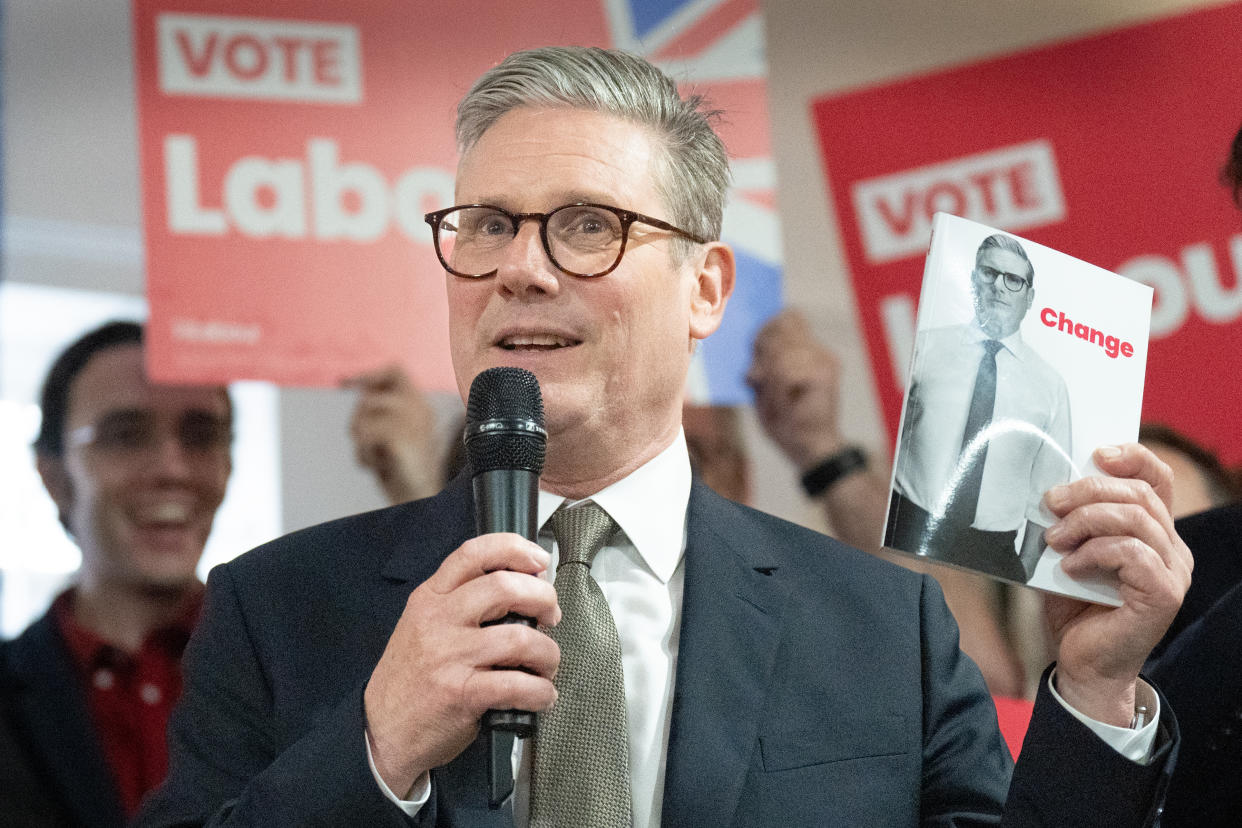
130 696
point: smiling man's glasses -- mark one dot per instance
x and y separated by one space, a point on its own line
580 239
136 433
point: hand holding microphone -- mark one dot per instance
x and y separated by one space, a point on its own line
445 666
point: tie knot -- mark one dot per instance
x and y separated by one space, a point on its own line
992 346
581 532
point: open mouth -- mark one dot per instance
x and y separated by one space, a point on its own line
536 342
165 515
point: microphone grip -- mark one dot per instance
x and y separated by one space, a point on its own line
507 500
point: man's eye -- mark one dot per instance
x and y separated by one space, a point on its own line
122 435
589 223
205 433
492 224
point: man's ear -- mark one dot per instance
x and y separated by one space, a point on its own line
56 481
712 289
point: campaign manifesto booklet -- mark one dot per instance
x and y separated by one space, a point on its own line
1025 361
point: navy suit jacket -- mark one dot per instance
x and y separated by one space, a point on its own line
1200 670
815 685
53 771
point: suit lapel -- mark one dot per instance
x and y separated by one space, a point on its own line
729 631
430 532
51 703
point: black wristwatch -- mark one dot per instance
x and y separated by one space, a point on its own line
820 477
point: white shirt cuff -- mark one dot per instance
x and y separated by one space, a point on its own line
418 795
1135 745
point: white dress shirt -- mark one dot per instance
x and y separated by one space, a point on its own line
1029 437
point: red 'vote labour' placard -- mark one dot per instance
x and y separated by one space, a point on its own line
288 158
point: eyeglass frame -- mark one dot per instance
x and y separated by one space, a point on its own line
87 435
626 217
996 274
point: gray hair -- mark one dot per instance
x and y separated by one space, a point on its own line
1002 242
692 174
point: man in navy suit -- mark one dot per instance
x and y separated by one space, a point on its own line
771 676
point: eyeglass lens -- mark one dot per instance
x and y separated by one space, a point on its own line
580 239
1012 281
127 432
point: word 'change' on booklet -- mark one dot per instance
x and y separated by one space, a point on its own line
1111 344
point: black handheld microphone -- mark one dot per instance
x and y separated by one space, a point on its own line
505 442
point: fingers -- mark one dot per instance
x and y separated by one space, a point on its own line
1136 461
489 553
796 383
1148 579
442 668
496 594
518 647
775 333
1117 510
391 420
1121 524
1140 478
509 690
783 348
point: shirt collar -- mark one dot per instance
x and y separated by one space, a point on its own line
1013 343
90 651
649 505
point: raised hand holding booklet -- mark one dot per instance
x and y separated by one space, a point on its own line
1025 361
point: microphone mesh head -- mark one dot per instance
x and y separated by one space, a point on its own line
504 421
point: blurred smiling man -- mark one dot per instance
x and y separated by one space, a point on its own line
137 472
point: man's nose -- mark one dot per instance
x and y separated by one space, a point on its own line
168 456
526 268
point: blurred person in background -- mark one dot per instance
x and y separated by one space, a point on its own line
393 430
137 471
1200 480
717 449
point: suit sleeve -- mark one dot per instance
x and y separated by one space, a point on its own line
1067 777
225 768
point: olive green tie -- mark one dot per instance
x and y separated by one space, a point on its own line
581 772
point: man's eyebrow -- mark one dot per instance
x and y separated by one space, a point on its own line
134 413
557 200
126 413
